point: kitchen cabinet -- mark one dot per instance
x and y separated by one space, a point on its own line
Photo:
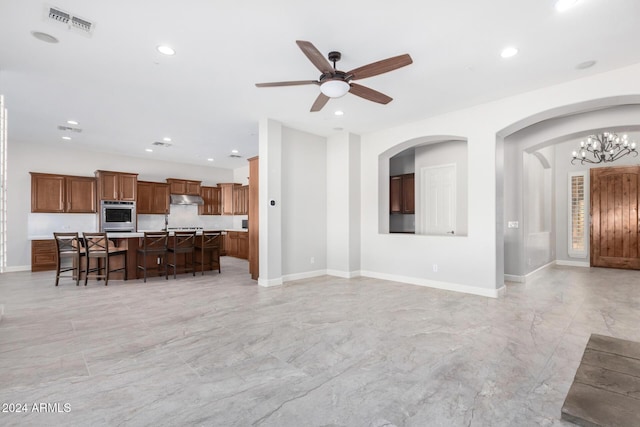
153 198
184 186
62 193
44 254
117 185
402 194
237 244
241 200
211 198
226 195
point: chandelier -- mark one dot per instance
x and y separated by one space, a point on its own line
603 148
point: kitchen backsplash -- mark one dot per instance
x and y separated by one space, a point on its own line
44 224
185 216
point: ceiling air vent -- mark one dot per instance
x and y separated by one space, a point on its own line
69 129
69 20
161 144
235 156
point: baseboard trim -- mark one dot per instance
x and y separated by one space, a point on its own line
572 263
491 293
305 275
270 282
344 274
514 278
17 268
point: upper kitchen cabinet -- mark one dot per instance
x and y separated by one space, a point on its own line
227 190
117 185
153 197
241 200
62 193
402 194
211 197
184 186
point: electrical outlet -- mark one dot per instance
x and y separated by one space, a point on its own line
312 260
435 268
158 261
513 224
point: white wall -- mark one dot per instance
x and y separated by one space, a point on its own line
410 258
72 160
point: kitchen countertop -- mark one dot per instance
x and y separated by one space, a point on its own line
125 235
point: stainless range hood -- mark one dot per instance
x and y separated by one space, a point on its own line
186 199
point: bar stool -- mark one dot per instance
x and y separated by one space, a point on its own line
98 247
209 245
153 243
70 247
183 243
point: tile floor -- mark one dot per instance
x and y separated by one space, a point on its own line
220 351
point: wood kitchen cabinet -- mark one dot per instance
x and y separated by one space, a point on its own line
117 185
226 195
402 194
184 186
241 200
237 244
43 255
62 193
211 197
153 198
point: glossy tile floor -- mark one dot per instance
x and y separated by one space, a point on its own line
220 351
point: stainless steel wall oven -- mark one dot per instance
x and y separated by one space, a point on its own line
117 215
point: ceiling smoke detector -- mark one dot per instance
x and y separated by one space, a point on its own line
71 21
161 144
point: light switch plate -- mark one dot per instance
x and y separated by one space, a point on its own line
513 224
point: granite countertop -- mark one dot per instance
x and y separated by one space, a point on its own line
125 235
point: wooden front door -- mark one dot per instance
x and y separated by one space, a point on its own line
614 217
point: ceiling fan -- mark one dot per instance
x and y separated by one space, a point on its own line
334 83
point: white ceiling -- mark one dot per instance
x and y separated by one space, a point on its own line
126 95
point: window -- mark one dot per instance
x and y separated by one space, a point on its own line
577 215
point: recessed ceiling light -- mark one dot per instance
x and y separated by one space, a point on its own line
148 150
72 122
66 138
509 52
234 151
586 64
339 113
562 5
166 50
166 139
209 160
44 37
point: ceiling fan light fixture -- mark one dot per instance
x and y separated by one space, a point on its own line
335 88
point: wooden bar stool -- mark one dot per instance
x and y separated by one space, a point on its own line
209 246
153 243
98 247
69 247
183 243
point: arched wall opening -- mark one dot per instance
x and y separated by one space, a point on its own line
422 158
522 247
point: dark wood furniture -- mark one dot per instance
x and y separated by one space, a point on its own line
62 193
212 203
43 255
69 248
402 194
153 243
182 242
184 186
208 247
605 389
98 247
153 198
117 185
253 218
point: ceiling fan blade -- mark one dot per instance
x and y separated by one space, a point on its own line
320 102
293 83
380 67
370 94
315 56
